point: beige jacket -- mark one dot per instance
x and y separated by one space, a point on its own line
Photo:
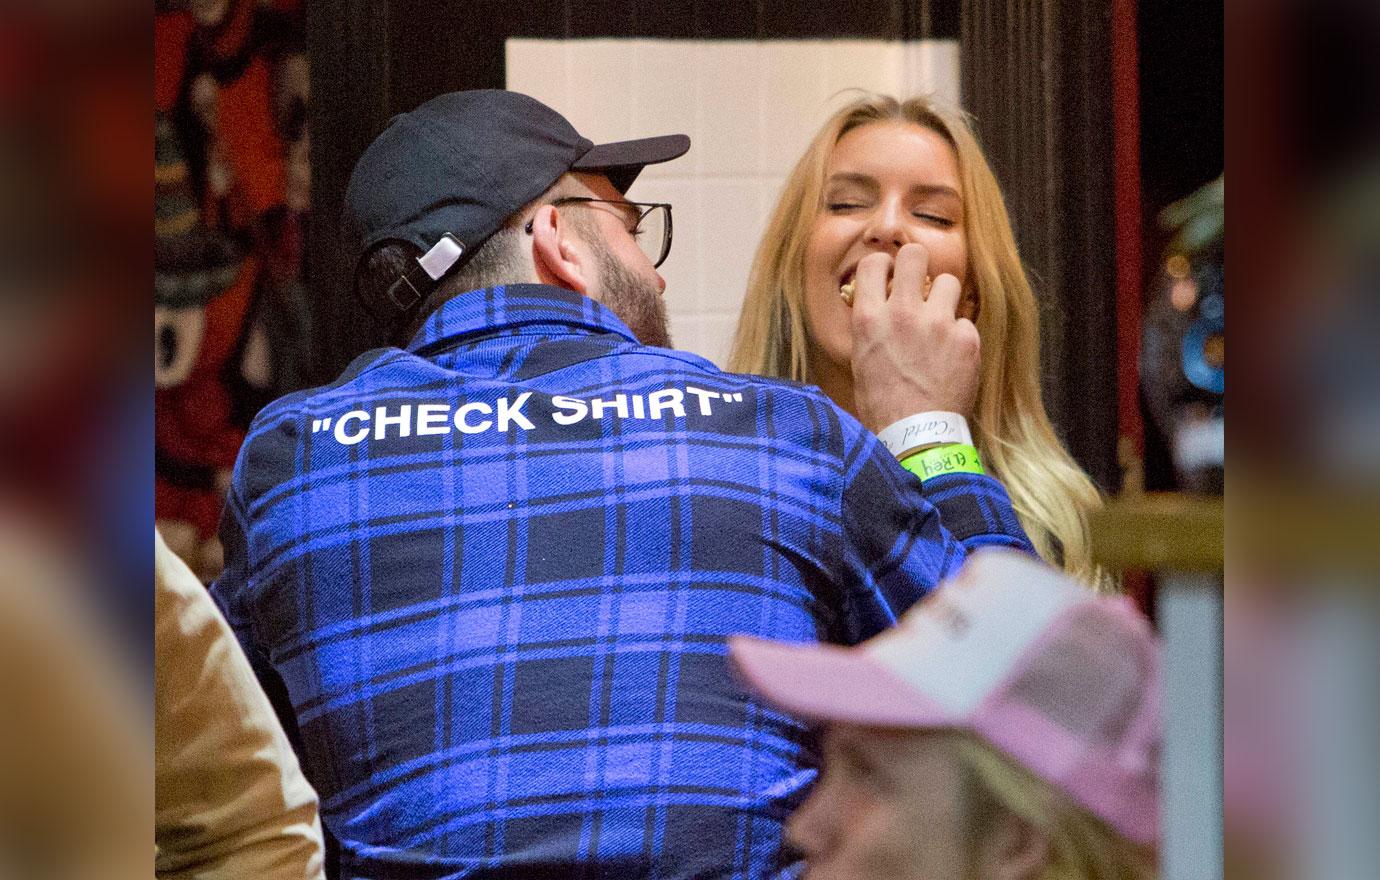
230 799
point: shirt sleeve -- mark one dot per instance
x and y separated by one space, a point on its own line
901 538
231 586
231 801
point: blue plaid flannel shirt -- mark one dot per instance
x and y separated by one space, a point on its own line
496 572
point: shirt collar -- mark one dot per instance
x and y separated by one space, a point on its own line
480 313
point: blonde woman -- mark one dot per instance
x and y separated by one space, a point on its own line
907 182
1011 716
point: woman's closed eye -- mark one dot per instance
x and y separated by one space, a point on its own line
935 218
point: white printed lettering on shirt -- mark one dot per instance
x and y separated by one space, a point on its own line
351 439
666 398
704 396
577 408
509 415
619 404
431 419
465 426
382 421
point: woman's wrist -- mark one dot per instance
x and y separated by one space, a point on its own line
926 429
948 458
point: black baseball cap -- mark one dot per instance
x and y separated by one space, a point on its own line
445 176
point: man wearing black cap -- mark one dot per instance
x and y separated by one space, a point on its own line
496 569
455 173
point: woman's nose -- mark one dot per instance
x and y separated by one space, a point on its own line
886 229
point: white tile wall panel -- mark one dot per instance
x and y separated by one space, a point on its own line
542 68
709 336
860 64
729 107
749 108
731 227
687 333
667 94
793 92
601 88
717 337
931 67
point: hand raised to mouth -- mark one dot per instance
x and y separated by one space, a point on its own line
912 351
847 289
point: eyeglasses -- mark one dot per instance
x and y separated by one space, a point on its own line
651 229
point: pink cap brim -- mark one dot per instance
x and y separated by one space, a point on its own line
829 683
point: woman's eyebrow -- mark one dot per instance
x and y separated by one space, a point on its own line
935 189
870 183
862 180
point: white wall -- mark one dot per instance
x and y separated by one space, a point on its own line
749 108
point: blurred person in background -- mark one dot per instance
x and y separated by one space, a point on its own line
75 605
73 280
230 801
901 191
76 768
1006 729
1302 625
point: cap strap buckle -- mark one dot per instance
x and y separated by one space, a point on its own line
433 264
404 293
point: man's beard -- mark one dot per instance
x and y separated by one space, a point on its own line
636 301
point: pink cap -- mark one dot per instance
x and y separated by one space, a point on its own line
1065 682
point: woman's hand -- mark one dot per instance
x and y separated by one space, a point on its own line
911 353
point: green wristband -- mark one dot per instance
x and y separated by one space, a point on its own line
951 458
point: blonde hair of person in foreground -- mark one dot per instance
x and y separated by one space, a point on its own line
1079 846
1050 492
984 816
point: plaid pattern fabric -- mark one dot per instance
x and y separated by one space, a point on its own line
496 573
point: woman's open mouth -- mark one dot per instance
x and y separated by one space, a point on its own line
847 287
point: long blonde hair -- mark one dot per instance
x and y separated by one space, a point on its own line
1050 492
1081 846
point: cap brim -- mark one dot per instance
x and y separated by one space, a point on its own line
829 683
622 161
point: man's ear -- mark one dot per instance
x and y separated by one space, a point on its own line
557 258
1014 850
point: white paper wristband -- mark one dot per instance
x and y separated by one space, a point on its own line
925 429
